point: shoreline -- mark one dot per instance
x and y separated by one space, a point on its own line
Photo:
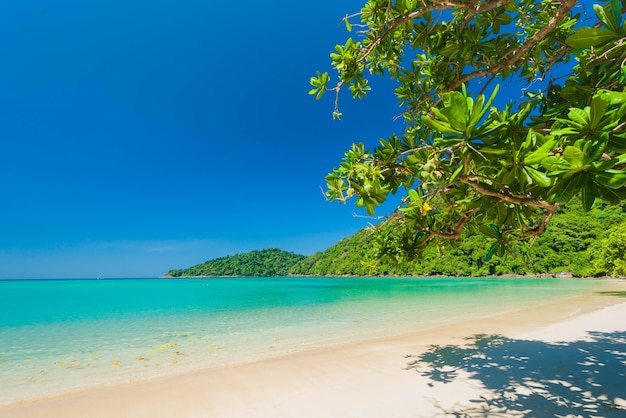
360 378
561 275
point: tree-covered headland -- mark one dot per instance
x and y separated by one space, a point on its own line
262 263
463 165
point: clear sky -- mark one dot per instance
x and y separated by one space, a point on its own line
139 136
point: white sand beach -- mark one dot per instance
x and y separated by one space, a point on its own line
562 359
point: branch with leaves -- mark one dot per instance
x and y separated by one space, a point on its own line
462 162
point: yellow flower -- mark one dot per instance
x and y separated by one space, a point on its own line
425 208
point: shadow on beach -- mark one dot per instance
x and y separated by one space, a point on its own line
528 378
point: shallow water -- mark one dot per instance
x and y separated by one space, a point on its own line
62 335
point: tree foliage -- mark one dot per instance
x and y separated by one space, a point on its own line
576 242
611 253
262 263
461 163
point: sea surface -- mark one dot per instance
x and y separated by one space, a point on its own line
64 335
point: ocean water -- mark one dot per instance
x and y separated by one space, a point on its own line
63 335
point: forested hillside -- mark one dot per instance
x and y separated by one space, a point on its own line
262 263
575 242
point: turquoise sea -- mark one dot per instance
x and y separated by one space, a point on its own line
64 335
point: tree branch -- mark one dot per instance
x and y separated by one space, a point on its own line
563 10
516 200
458 229
542 227
393 24
486 7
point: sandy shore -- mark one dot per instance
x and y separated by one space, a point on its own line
562 359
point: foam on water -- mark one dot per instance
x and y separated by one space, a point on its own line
63 335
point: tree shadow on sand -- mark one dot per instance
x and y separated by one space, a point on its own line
525 378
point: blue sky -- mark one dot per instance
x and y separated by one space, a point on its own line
139 136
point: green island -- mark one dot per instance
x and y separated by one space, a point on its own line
260 263
576 243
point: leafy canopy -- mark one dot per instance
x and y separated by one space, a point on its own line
462 163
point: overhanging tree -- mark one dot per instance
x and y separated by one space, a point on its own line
461 163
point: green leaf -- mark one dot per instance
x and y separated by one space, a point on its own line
538 155
348 25
455 109
319 84
449 50
504 19
538 177
607 17
579 117
492 249
503 213
616 11
414 196
487 106
438 126
597 111
510 177
477 110
588 196
494 151
613 179
555 164
573 156
613 97
576 93
456 174
490 231
530 141
587 37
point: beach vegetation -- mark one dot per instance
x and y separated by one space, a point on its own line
508 110
610 253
